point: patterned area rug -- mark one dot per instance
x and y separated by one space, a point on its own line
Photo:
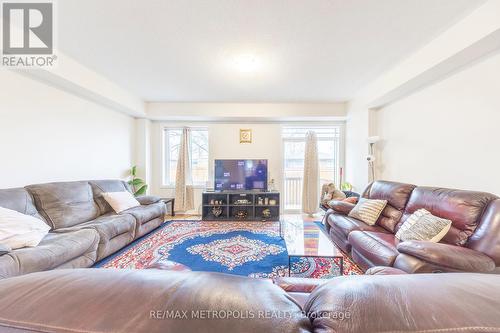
241 248
350 267
252 249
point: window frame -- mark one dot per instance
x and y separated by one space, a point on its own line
165 173
339 124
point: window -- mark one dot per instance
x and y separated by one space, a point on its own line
329 152
198 153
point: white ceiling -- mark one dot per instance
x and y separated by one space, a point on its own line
310 51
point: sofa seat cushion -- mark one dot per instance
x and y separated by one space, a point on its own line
115 232
146 213
346 225
379 248
54 250
110 225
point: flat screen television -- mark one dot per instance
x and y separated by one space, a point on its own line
240 175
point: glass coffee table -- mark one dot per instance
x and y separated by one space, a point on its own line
310 252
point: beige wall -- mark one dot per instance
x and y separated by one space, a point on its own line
48 135
356 149
412 102
447 134
224 144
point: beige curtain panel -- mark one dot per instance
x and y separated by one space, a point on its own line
310 188
184 196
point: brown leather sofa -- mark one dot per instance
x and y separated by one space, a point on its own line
301 288
471 245
150 301
84 228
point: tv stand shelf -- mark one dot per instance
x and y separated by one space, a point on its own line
241 206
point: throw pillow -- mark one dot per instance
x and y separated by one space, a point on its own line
330 192
326 197
120 201
148 199
368 210
422 225
352 200
18 230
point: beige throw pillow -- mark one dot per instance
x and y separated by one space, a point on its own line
368 210
422 225
18 230
330 192
120 201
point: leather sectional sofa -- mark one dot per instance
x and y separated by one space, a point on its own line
154 301
84 228
471 245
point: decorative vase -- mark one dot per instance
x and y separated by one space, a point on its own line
266 213
241 214
217 211
270 186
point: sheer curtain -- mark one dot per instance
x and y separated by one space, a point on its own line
184 197
310 189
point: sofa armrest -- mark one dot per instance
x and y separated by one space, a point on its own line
341 207
450 256
4 249
299 285
148 199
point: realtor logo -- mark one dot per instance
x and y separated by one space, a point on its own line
28 29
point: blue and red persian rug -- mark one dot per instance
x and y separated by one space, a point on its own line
252 249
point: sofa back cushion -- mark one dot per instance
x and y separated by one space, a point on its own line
486 238
445 302
104 186
463 208
396 194
141 300
65 204
20 200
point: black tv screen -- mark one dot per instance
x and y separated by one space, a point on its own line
240 175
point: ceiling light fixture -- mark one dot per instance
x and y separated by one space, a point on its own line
247 63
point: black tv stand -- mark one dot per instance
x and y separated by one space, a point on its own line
241 206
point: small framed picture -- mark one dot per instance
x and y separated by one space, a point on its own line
245 135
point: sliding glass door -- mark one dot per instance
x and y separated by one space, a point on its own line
330 153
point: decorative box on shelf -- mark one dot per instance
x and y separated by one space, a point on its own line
241 206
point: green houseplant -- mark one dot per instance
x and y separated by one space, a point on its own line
139 186
346 186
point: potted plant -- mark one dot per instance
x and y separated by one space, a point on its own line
346 186
138 185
